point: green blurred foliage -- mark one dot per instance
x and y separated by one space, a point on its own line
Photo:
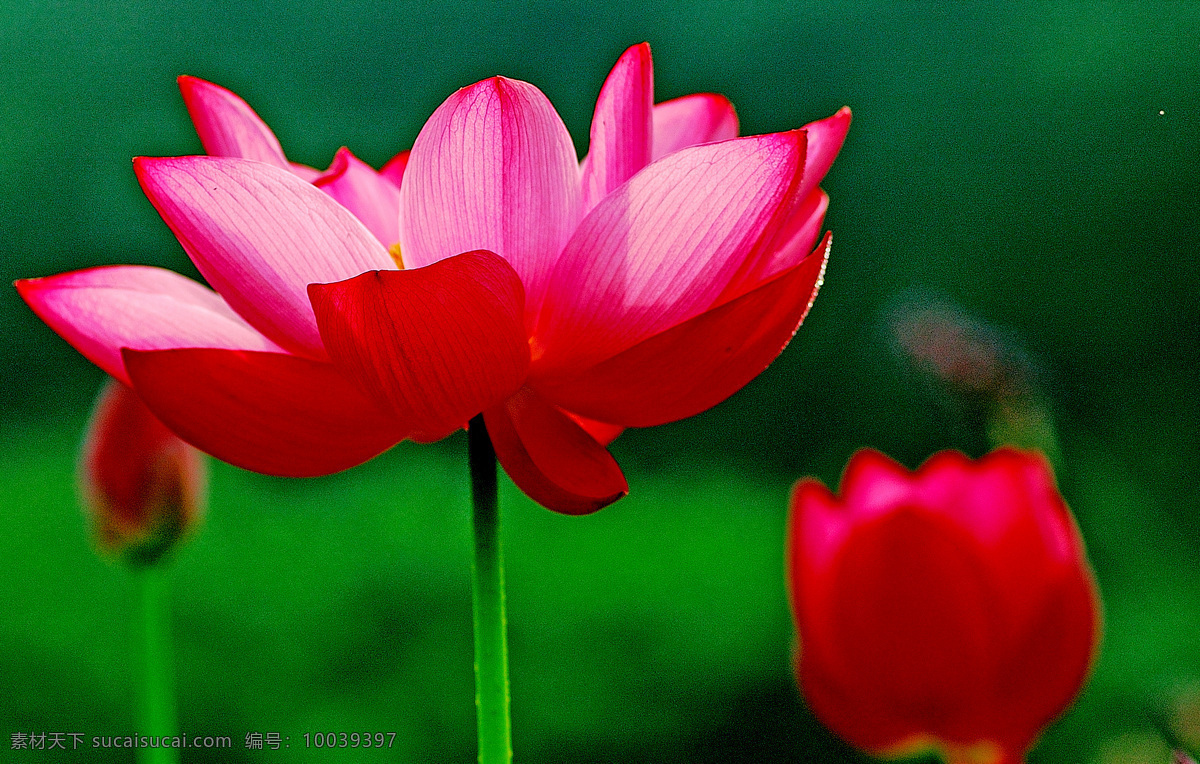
1034 164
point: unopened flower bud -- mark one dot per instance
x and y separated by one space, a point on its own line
951 609
143 487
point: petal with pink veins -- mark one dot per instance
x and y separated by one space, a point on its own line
434 345
226 124
798 236
260 236
101 310
551 458
272 413
663 247
696 364
691 121
373 198
494 169
622 129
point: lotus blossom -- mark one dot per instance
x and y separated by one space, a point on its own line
565 301
657 278
949 609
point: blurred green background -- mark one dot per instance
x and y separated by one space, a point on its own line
1033 164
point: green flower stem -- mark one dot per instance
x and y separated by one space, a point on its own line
156 717
491 628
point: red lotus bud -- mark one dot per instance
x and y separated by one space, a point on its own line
949 609
143 486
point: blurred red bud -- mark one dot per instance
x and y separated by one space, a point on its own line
949 609
143 487
965 355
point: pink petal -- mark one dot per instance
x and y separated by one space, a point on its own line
799 235
227 126
272 413
260 236
304 172
825 138
394 169
434 345
697 364
101 310
553 460
492 169
622 130
663 247
692 120
373 198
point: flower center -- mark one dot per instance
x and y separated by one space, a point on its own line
394 251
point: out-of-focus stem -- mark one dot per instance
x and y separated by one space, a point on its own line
156 717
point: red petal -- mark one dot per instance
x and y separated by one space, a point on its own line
603 432
435 345
267 412
696 364
551 458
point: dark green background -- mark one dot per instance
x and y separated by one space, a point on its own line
1034 164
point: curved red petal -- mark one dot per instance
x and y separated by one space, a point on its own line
696 364
260 235
101 310
551 458
434 345
272 413
603 432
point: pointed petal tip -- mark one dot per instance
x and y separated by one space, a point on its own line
337 168
395 167
189 84
640 50
839 122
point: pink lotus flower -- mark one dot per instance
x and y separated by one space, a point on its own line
564 301
949 609
648 284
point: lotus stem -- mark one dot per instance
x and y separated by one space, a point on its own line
491 628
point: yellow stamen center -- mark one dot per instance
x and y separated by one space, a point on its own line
394 251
